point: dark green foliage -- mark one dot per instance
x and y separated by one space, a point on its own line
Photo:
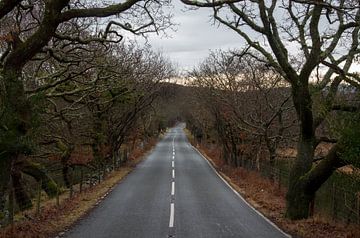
350 139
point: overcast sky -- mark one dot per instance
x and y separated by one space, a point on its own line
194 38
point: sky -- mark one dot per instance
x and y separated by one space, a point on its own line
195 36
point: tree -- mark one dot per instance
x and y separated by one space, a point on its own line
44 34
253 99
323 38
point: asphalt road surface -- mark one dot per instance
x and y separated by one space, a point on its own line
173 193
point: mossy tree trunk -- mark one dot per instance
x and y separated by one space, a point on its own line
302 191
67 150
98 138
37 172
16 117
21 196
305 177
5 168
298 199
15 124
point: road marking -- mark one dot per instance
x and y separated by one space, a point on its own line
172 207
238 194
172 211
173 188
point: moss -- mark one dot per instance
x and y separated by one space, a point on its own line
51 188
36 171
61 145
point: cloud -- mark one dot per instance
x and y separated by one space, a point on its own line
196 35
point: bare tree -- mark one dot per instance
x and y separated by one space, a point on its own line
324 40
251 100
51 35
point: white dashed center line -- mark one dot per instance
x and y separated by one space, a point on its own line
172 206
171 222
173 188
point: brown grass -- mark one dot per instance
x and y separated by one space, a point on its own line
268 198
54 220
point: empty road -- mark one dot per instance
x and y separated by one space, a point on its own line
173 193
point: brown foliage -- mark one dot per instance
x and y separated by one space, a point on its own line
53 220
266 197
81 155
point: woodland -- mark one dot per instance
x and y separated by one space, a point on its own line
76 93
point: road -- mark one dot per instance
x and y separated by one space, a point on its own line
173 193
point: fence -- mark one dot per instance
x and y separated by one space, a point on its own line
27 200
337 199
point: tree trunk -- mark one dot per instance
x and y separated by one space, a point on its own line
65 175
225 155
65 157
17 111
304 189
15 123
22 198
5 173
297 198
35 171
272 158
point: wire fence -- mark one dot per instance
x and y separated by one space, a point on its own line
337 199
28 199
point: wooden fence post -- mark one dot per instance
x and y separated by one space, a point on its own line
81 179
57 197
71 188
104 171
125 155
11 206
358 207
121 157
312 207
38 198
279 179
90 179
99 174
114 162
334 213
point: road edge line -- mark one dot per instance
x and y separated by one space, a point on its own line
239 195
